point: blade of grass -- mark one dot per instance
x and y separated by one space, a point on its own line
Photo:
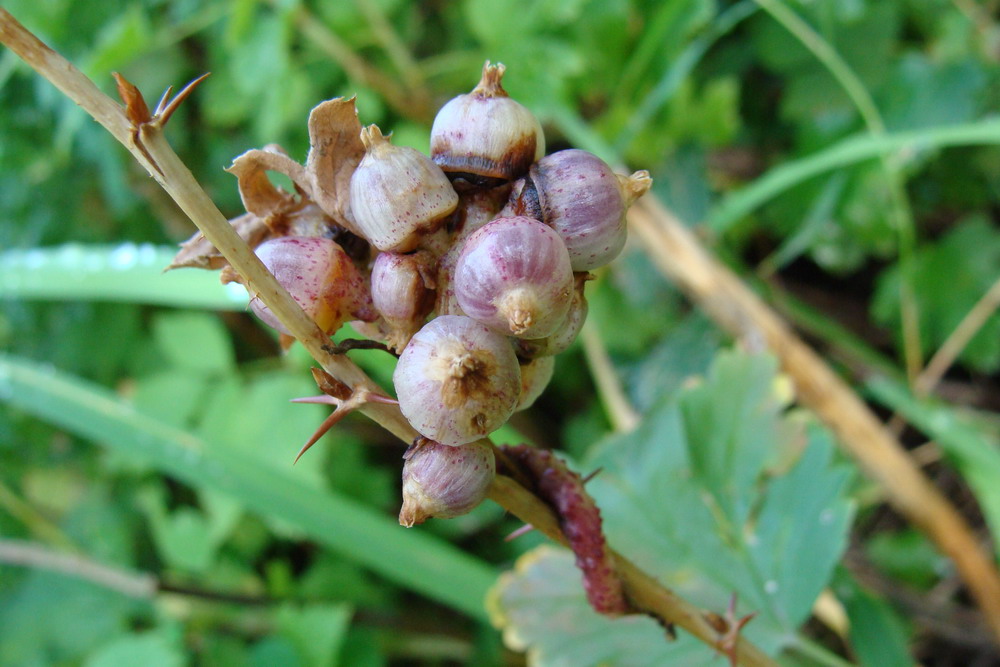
412 559
125 272
902 214
679 70
851 150
969 449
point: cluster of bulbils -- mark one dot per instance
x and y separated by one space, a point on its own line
472 270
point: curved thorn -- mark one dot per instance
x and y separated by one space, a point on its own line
163 101
523 530
172 106
327 424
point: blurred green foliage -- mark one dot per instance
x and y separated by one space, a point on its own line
751 140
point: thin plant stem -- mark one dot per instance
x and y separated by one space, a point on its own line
957 340
132 584
402 59
165 166
356 67
621 414
680 257
902 214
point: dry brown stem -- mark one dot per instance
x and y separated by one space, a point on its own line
737 309
147 143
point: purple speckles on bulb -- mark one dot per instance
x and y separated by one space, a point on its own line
514 275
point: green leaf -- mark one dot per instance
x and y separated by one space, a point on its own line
718 491
316 630
194 342
878 635
542 609
411 558
907 555
150 649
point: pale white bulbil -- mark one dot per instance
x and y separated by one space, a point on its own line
457 380
485 133
514 275
398 194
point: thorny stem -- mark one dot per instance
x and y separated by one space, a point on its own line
168 170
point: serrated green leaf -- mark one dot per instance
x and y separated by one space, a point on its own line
542 609
718 491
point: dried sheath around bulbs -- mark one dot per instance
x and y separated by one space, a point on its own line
457 380
485 137
398 194
444 482
320 277
514 275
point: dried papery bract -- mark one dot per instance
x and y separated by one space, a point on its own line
484 137
398 194
320 277
444 482
457 380
514 275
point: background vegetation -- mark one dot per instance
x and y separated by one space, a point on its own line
841 156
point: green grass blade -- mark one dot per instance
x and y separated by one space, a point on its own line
969 450
124 272
847 152
411 558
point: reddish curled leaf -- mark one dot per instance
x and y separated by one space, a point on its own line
335 150
580 520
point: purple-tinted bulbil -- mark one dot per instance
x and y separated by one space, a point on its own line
514 275
580 197
444 482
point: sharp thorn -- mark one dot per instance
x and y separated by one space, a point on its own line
163 100
592 475
172 106
327 424
523 530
